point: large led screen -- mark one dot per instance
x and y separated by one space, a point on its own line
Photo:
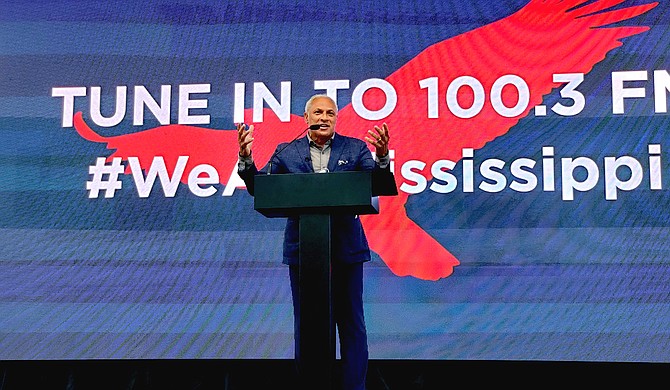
529 144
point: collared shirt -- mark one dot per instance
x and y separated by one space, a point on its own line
320 155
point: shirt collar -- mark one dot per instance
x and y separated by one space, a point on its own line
328 142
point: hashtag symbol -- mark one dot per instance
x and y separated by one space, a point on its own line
105 177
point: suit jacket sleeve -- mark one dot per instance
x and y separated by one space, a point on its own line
247 175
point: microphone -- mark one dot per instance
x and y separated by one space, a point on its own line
275 154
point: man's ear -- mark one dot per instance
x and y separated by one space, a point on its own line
305 116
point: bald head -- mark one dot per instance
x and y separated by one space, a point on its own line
309 103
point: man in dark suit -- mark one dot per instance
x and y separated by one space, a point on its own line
322 150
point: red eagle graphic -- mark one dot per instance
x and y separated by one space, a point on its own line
541 39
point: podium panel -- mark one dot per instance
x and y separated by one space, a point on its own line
315 198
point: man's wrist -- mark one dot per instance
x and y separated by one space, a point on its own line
383 161
244 162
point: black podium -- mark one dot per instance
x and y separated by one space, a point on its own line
315 198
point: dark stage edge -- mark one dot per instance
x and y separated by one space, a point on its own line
280 374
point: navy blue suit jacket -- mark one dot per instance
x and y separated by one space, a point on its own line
349 243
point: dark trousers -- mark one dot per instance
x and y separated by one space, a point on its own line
347 294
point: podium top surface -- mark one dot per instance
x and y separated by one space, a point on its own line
283 195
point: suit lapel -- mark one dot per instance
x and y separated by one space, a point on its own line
302 147
337 147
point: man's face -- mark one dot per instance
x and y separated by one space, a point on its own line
323 112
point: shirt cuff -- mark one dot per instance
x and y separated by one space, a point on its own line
244 163
383 162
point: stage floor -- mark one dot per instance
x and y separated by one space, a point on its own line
280 374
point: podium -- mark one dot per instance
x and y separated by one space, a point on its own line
314 198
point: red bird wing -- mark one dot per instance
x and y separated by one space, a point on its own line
541 39
217 148
200 145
